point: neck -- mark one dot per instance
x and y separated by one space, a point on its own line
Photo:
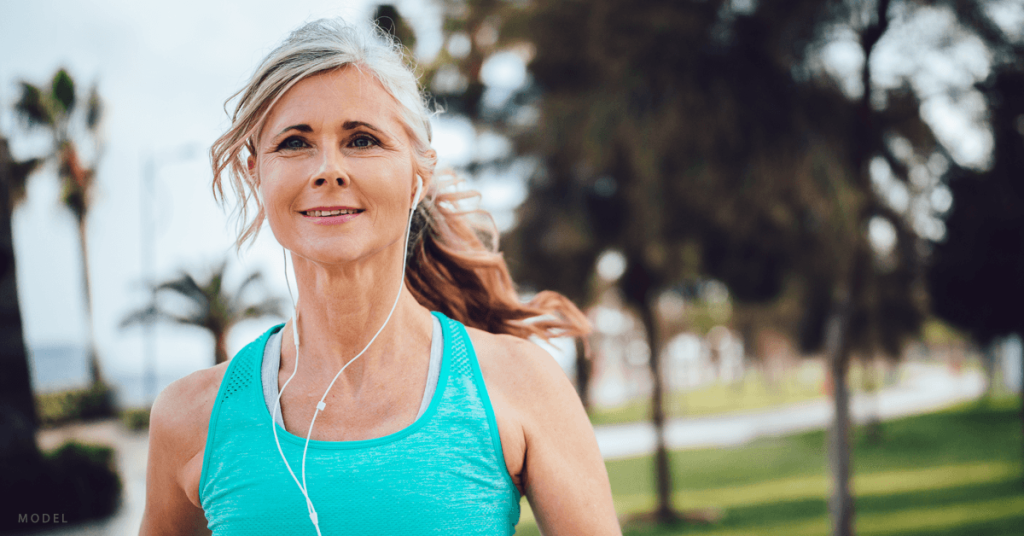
341 308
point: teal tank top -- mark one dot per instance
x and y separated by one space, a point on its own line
443 474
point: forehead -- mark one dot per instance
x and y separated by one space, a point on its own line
344 94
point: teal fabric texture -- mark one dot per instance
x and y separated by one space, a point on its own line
443 474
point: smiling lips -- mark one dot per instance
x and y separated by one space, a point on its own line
330 215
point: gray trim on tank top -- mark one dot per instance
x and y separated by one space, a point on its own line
272 365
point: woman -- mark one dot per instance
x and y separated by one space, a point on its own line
414 402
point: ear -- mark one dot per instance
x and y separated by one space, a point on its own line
426 174
251 163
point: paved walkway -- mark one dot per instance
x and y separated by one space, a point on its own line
926 388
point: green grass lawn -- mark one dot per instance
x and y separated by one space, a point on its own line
956 472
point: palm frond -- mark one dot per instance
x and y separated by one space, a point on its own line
63 91
254 277
145 315
197 319
216 281
153 313
267 307
20 172
94 114
236 300
187 287
31 107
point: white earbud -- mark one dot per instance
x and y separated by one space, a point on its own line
419 187
321 404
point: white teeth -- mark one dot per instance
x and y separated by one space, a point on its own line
324 213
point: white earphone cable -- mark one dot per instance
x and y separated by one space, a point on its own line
321 404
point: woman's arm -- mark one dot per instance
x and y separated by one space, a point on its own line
564 475
176 437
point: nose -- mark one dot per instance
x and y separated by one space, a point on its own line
332 169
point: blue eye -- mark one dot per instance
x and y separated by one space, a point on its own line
292 143
364 141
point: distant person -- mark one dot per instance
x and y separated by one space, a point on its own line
418 407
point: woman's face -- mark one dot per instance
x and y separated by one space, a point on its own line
336 168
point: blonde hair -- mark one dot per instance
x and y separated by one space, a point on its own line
454 265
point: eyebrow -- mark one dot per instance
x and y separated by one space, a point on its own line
301 128
348 125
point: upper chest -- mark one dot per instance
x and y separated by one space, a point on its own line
369 418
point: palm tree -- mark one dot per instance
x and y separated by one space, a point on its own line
210 306
53 111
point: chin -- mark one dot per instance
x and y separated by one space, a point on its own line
345 253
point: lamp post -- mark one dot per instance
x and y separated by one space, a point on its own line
147 233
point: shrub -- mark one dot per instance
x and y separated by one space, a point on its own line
85 480
135 418
93 402
78 481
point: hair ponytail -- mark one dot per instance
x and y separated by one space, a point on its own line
455 268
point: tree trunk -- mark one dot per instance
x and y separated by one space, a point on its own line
841 506
751 359
988 358
19 456
95 371
584 367
15 382
220 348
872 393
664 513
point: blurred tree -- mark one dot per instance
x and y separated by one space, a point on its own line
207 305
704 139
626 136
976 271
645 133
18 418
616 80
386 16
53 111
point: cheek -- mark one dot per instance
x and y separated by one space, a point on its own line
272 208
277 192
389 186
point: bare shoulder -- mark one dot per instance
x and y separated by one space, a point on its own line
177 439
526 384
179 422
181 412
561 471
522 370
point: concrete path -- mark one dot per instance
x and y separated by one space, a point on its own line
926 388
